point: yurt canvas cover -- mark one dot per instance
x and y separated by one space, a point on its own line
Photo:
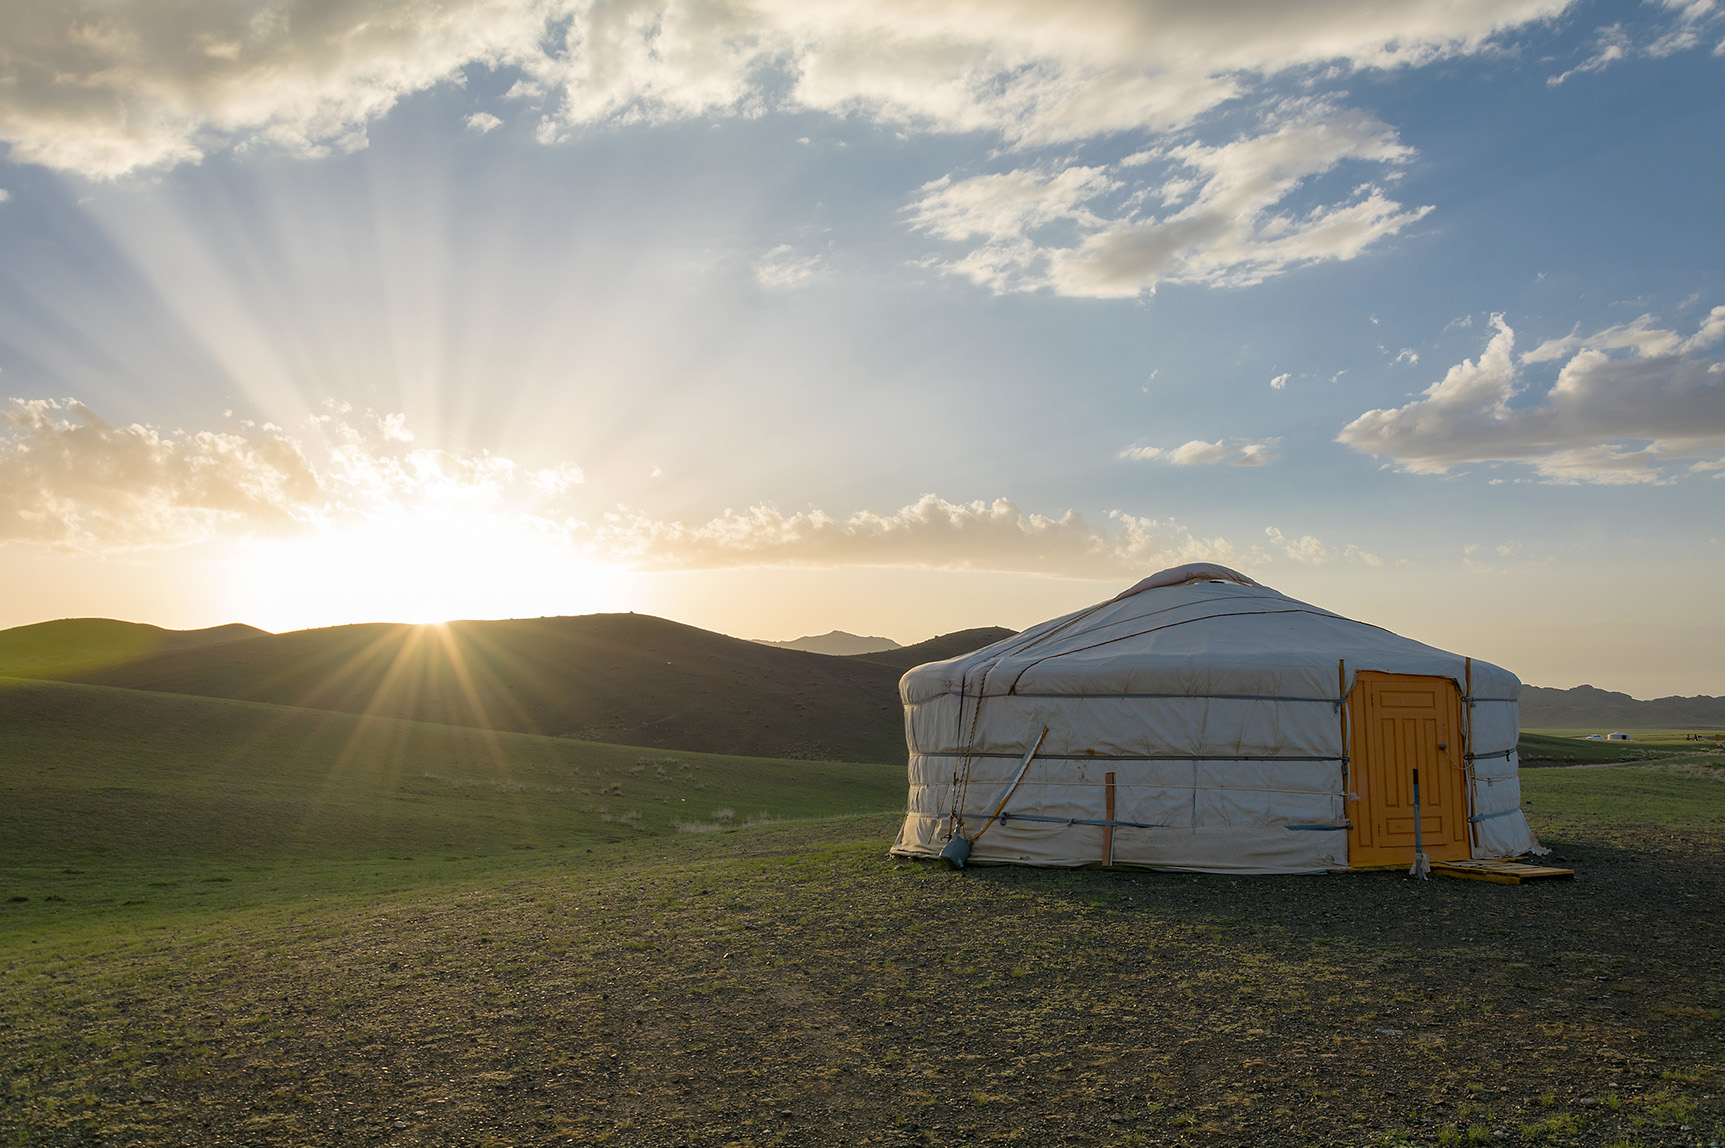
1201 721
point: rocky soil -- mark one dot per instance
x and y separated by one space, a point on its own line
797 986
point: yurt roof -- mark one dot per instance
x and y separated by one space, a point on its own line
1199 629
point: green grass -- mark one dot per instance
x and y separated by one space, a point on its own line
115 798
1547 748
72 645
1562 799
1661 735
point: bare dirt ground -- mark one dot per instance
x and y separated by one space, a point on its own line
797 986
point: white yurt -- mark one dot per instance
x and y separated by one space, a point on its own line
1201 721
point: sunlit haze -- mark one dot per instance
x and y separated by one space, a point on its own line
778 318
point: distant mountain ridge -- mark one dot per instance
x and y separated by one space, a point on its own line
835 642
937 649
1585 706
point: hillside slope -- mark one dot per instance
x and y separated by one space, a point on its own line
73 645
625 678
120 780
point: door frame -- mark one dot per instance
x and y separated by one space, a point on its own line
1358 711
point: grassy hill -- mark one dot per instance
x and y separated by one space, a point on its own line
71 646
116 778
630 679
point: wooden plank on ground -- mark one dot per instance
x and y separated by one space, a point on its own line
1503 872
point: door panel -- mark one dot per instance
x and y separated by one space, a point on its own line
1399 724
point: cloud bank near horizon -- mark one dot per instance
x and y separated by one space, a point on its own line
75 482
931 534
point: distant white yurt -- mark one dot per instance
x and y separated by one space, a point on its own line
1201 721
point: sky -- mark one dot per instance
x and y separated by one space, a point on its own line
895 317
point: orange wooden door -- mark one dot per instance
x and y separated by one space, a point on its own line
1401 723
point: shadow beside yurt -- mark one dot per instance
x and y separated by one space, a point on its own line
1201 721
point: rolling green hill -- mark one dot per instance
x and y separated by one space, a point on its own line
119 778
71 646
630 679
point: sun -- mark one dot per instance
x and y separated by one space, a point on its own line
419 565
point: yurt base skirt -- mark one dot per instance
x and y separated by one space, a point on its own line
1226 849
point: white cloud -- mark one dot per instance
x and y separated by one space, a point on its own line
1627 403
70 479
1280 382
1312 551
4 195
931 533
1034 72
1685 24
556 480
1407 355
1009 206
102 89
1610 46
1641 336
783 268
1234 452
483 122
1071 232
